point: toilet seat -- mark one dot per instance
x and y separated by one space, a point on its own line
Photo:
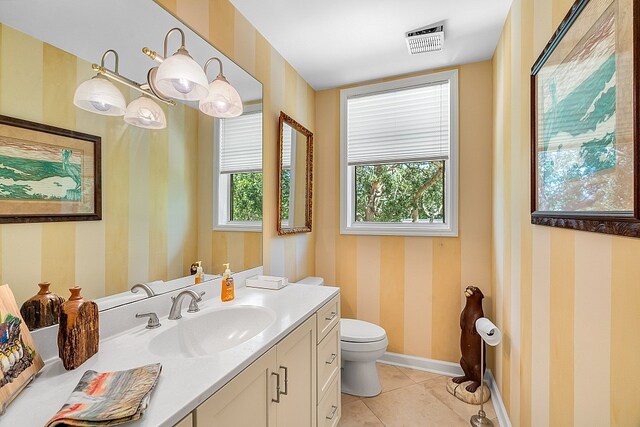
358 331
357 347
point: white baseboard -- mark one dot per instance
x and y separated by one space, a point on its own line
449 369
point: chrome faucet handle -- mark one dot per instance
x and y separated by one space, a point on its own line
153 322
146 288
193 305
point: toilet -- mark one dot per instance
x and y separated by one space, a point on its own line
361 344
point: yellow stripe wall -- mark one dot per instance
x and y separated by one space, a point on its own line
412 286
149 219
566 300
283 90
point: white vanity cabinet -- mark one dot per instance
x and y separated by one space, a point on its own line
245 400
281 388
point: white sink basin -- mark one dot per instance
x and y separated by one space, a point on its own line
211 331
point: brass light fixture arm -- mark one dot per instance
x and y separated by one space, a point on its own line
125 81
154 55
116 59
206 65
182 48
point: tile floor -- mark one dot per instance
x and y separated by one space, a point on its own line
409 398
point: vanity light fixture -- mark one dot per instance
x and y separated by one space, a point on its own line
223 100
99 95
144 113
177 76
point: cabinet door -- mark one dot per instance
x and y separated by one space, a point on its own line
297 367
186 422
245 401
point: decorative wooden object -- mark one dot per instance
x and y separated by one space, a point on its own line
42 309
19 361
470 340
78 333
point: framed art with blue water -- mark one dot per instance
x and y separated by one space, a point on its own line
48 173
584 123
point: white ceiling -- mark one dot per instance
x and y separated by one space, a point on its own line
332 43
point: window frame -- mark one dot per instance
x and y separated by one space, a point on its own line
449 227
222 186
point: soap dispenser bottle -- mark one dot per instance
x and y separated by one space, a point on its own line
199 273
227 291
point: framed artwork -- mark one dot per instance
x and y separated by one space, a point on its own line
47 173
585 124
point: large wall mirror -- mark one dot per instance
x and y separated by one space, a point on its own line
295 176
157 185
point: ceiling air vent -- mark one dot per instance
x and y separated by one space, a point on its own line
426 39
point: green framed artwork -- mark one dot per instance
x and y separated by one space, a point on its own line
48 173
584 95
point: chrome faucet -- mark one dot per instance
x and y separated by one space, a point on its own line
153 322
176 306
146 288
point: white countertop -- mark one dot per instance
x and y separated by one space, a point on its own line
184 382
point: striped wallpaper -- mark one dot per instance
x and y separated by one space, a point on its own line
412 286
148 229
283 90
567 301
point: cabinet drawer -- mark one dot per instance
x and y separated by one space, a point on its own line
327 317
329 410
328 360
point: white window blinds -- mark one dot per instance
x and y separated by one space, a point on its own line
287 132
241 143
399 126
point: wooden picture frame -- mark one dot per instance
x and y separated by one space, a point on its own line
584 121
281 227
48 174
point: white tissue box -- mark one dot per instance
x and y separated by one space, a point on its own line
267 282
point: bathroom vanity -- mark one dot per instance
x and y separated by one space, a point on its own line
267 358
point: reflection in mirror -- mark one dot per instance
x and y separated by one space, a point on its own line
295 174
156 185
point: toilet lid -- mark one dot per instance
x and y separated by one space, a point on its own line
360 331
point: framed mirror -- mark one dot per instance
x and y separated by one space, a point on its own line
295 177
157 210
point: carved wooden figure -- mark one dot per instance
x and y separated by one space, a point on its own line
78 333
470 341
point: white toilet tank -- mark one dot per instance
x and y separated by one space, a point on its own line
310 280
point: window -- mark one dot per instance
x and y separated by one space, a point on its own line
399 157
238 176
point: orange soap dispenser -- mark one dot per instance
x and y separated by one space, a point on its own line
227 291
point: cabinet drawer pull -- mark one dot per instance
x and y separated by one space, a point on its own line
331 359
286 380
277 399
334 409
333 315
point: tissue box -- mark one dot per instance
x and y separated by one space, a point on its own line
267 282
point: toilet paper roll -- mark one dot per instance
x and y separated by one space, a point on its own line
488 331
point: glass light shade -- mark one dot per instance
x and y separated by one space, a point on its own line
145 113
99 95
180 77
223 100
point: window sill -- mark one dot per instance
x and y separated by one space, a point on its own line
247 227
435 230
